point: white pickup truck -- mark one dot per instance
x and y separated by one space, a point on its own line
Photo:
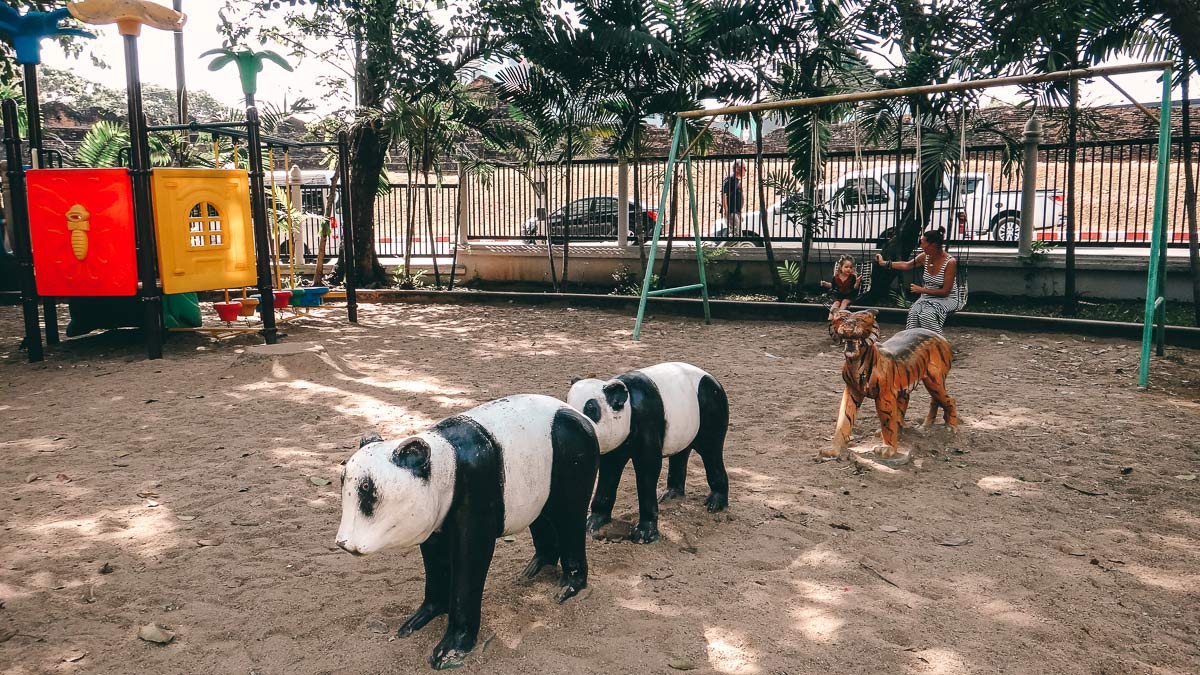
867 204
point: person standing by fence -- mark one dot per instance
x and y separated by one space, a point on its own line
731 197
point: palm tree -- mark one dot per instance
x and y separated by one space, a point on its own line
822 60
558 101
933 47
435 126
1156 29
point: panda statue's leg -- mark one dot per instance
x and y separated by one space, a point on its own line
545 545
435 553
676 475
576 459
471 547
612 465
647 467
710 441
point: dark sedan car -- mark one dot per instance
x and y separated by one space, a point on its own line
589 219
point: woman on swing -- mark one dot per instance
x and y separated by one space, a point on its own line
939 283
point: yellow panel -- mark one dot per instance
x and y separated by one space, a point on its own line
205 236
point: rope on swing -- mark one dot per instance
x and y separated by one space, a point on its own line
274 218
919 177
813 150
961 273
865 264
287 204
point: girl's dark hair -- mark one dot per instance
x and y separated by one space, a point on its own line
838 265
935 236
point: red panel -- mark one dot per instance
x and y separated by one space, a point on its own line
81 226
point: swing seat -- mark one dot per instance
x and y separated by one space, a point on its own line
864 273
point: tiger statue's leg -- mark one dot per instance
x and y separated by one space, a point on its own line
933 408
936 385
841 436
888 409
902 404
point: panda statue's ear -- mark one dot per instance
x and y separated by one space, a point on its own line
413 455
576 379
369 438
616 394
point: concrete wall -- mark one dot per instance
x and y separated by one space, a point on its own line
1099 275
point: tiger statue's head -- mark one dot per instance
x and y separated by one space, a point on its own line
856 330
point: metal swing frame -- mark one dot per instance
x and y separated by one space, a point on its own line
1154 315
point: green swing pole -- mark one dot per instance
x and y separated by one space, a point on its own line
687 163
658 225
1155 303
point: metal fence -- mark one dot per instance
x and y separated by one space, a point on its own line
433 227
391 216
864 194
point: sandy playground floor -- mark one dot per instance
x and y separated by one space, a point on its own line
1058 532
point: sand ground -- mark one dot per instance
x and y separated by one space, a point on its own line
1057 532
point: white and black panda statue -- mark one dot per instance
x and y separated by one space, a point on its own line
666 410
516 462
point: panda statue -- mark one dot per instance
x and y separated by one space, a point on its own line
516 462
666 410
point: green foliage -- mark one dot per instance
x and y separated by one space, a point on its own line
900 300
101 146
285 221
13 90
791 276
789 273
92 100
711 253
629 283
412 281
1039 251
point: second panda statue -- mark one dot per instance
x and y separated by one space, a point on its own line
666 410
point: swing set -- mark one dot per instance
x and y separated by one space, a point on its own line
1155 311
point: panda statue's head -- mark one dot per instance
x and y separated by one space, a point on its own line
388 498
606 404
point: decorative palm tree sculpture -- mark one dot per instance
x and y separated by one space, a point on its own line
249 64
28 30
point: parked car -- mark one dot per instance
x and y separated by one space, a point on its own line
592 218
866 204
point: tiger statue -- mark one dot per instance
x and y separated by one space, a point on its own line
888 373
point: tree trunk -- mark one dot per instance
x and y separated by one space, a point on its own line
323 238
569 215
1069 299
368 151
762 207
1189 199
425 162
549 241
640 225
810 191
409 215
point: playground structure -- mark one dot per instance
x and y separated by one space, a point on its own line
129 236
682 144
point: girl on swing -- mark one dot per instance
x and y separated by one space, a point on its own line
844 285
